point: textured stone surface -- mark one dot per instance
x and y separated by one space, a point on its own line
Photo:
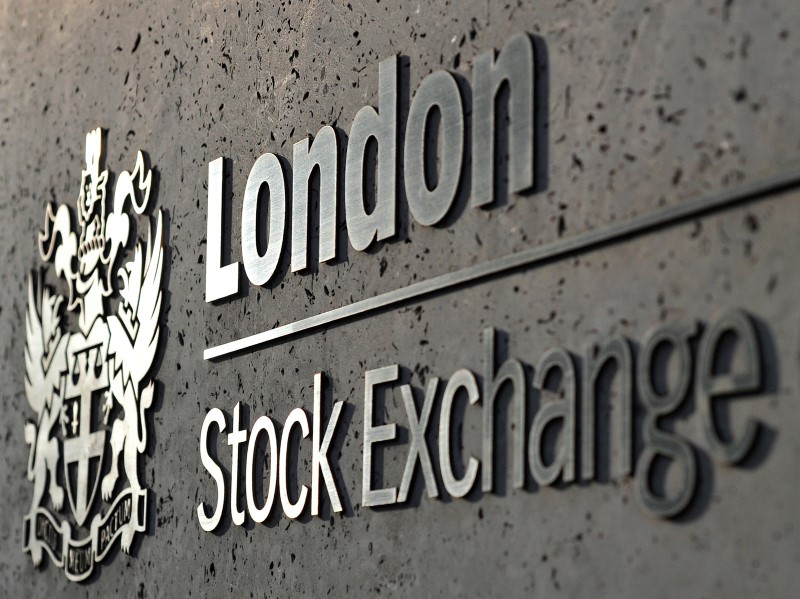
643 105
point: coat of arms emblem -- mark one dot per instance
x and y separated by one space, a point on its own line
89 353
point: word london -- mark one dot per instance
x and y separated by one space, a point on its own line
513 69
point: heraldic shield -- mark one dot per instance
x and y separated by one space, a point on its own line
89 354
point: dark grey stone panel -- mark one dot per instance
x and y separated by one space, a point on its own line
640 106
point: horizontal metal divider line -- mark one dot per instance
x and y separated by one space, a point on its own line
525 258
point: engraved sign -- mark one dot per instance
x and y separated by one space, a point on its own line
87 370
556 433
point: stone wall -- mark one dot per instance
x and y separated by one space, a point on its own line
640 107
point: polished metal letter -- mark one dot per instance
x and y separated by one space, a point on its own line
658 441
417 425
292 510
268 171
324 154
617 349
725 385
461 379
564 462
510 372
236 438
209 523
439 90
514 66
376 434
319 451
364 228
221 281
259 514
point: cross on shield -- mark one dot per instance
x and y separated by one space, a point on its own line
88 376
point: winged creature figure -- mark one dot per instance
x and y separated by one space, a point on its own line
134 339
45 362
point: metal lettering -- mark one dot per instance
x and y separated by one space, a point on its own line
514 67
510 372
711 385
209 523
221 281
440 91
461 379
597 357
292 510
658 441
259 514
564 462
418 451
319 452
235 439
362 227
376 434
323 154
268 171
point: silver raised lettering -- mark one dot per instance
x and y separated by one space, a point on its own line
268 171
292 510
221 281
319 455
514 66
364 228
209 523
323 153
376 434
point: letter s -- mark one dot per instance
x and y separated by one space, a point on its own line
209 523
